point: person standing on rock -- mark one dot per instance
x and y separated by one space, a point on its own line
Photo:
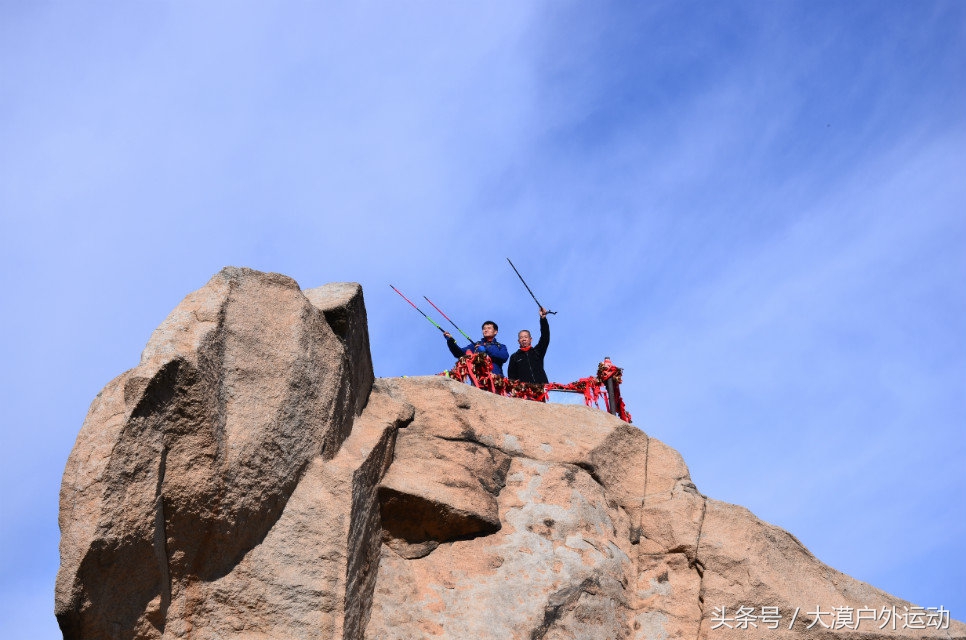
498 352
526 364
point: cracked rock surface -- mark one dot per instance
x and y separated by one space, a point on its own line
250 479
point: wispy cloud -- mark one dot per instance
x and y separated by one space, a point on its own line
756 209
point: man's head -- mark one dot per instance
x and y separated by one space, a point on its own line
524 339
489 330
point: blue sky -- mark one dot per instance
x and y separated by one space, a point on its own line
756 208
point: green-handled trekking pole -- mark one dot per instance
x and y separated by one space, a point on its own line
418 309
528 288
450 321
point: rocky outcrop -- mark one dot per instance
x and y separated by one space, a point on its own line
249 479
186 463
601 534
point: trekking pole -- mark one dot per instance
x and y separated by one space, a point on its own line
418 309
528 288
450 321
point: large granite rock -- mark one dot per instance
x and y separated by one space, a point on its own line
186 463
601 535
249 479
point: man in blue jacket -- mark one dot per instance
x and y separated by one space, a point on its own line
498 353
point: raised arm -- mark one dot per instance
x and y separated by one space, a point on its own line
544 342
453 348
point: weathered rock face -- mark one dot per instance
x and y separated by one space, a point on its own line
601 535
249 479
186 462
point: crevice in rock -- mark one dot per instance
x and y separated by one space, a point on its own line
637 528
417 521
366 529
467 439
647 461
696 564
161 546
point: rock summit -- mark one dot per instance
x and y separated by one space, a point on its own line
251 480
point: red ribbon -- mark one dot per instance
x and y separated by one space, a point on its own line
477 368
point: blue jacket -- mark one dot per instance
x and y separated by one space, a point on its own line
497 352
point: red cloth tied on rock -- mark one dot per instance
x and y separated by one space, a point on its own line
478 370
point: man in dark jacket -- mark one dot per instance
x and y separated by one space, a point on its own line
498 352
526 364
